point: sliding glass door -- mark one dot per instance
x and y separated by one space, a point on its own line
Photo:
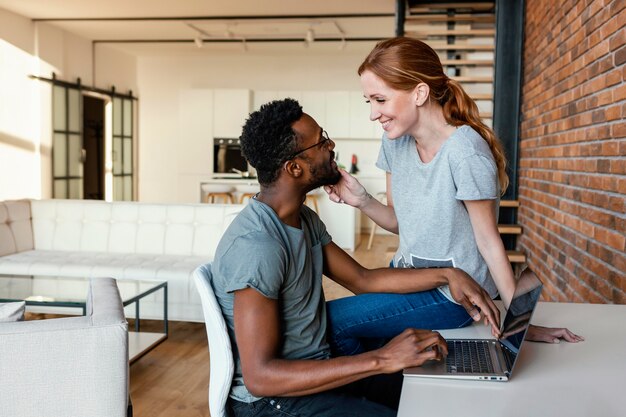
67 148
123 172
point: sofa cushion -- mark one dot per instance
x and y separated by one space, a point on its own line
16 233
12 311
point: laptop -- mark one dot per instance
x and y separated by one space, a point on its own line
489 359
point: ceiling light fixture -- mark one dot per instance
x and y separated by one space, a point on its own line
198 41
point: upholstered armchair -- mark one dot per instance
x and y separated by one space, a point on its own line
74 366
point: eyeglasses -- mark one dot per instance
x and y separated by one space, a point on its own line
321 143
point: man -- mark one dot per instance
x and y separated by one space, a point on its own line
267 277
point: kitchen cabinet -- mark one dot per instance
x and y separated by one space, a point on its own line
342 221
231 108
337 114
263 96
196 129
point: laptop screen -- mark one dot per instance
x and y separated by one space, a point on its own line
518 316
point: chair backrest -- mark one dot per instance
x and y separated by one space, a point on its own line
221 355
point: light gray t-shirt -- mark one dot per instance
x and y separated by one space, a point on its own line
282 263
434 226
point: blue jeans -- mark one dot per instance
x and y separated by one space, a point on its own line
376 396
362 322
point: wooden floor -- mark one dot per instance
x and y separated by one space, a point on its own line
172 380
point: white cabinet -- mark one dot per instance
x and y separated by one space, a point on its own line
342 221
338 114
360 124
230 110
314 104
262 97
196 130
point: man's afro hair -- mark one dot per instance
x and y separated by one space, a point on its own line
267 139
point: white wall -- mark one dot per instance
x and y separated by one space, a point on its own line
163 80
25 104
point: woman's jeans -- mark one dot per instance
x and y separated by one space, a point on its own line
367 321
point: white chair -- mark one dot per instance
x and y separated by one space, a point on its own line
221 356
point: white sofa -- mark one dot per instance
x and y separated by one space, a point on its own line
71 367
124 240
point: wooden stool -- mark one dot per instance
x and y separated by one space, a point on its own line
311 198
212 192
247 191
382 197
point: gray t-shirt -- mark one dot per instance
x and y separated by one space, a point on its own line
282 263
434 226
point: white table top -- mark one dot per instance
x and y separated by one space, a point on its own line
581 379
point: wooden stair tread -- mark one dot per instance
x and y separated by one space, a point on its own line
452 5
450 32
465 17
509 203
486 96
468 79
461 47
516 256
509 229
468 62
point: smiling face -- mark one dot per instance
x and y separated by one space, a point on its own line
396 110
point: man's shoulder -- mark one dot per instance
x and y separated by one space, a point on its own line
251 227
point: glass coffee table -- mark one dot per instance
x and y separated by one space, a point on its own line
71 292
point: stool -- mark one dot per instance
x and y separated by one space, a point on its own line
382 197
214 191
247 191
311 198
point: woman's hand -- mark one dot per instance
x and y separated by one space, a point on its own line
348 190
552 335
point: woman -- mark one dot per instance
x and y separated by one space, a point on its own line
445 173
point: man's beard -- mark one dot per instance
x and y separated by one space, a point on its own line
324 175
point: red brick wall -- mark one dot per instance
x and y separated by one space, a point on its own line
572 178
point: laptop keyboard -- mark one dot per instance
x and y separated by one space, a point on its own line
469 356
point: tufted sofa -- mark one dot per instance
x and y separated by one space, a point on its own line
86 238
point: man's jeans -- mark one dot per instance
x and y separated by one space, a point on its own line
367 321
377 396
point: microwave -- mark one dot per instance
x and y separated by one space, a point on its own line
228 162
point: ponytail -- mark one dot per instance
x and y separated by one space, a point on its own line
459 109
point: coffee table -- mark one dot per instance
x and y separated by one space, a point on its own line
71 292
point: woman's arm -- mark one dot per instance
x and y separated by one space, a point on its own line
350 191
483 218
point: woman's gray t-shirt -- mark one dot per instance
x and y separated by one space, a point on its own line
282 263
434 226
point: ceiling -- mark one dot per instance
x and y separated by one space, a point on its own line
143 27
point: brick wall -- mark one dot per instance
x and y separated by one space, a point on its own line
572 178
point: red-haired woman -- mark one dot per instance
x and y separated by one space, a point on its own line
445 174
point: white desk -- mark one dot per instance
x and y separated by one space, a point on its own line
581 379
